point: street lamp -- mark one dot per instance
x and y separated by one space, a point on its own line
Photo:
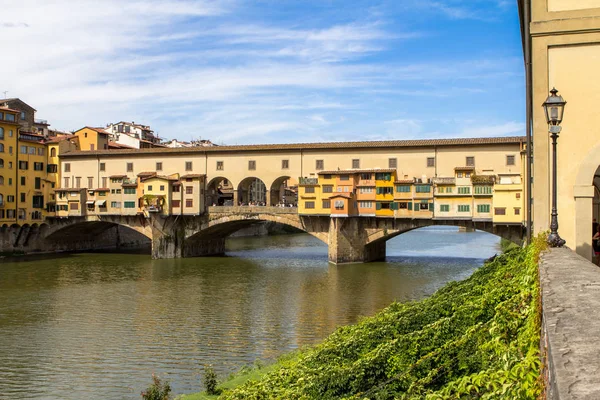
554 106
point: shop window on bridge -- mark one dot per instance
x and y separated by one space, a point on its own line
424 206
366 190
339 204
115 204
483 190
129 204
423 188
464 190
365 204
500 211
133 190
464 208
189 203
365 177
74 206
483 208
403 205
326 203
309 189
36 215
444 207
309 205
384 190
344 177
403 188
383 176
176 203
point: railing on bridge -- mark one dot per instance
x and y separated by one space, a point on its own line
251 210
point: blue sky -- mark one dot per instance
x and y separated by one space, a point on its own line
270 71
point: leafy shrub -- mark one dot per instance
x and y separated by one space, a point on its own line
158 390
210 380
478 338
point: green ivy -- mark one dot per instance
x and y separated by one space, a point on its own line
475 339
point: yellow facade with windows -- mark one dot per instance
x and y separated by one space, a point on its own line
92 138
8 166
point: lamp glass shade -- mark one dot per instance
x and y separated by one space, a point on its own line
554 107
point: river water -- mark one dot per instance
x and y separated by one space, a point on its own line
96 326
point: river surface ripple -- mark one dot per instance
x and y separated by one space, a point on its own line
96 326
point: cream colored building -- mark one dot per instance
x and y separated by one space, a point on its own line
565 53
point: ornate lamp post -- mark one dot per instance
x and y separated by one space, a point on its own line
554 106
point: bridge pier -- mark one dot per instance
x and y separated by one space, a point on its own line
349 242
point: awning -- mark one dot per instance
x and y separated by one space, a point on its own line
89 202
100 202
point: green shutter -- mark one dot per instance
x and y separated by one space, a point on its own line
430 206
394 206
410 205
378 206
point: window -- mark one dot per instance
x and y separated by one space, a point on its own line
23 165
365 204
38 166
176 203
310 189
384 190
90 182
74 206
459 174
10 214
219 165
252 165
393 163
430 161
423 188
366 190
327 189
464 208
104 180
510 160
188 165
326 176
23 197
129 204
38 183
1 180
162 188
355 163
22 115
32 150
10 198
66 185
444 207
309 204
483 190
500 211
464 190
159 166
189 203
10 149
115 204
53 152
320 165
102 166
326 203
285 164
517 196
470 161
467 174
22 181
129 190
344 177
483 208
403 188
176 188
424 206
366 177
78 182
40 151
517 211
67 167
189 190
149 188
92 147
23 149
129 167
1 130
339 204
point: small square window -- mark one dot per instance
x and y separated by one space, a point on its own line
188 165
393 163
510 160
189 190
430 161
470 161
285 164
219 165
67 167
129 167
356 163
252 165
320 165
102 166
159 166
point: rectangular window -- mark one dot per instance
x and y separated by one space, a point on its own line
92 147
102 166
188 165
104 179
517 196
115 204
403 188
90 182
176 203
40 151
162 188
424 206
22 181
339 204
500 211
510 160
251 165
38 166
23 197
320 165
356 163
423 189
66 185
38 183
32 150
326 176
459 174
129 204
430 161
366 190
464 208
483 190
309 205
327 189
23 165
159 166
189 190
23 149
386 176
344 177
189 203
129 167
219 165
326 203
464 190
74 206
392 163
483 208
149 188
285 164
444 207
384 190
22 115
78 182
470 161
10 198
310 189
176 188
517 211
366 177
365 204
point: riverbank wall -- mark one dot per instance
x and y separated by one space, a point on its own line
570 288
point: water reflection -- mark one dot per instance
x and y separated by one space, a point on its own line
97 325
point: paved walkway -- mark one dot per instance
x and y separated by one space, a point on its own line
571 310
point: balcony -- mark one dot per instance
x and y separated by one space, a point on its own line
41 121
309 181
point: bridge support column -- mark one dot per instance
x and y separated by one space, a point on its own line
167 243
348 242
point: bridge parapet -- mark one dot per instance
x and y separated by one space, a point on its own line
251 210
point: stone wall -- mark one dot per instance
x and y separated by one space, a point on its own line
570 287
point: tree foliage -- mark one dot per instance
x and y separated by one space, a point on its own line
475 339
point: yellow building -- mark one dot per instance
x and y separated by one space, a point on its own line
9 131
564 41
92 138
508 199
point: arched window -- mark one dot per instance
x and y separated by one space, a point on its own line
1 133
1 180
1 148
1 163
53 152
1 199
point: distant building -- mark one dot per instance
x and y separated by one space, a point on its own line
134 135
174 143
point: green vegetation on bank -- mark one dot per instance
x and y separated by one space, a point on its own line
478 338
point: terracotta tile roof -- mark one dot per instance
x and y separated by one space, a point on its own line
356 171
101 190
346 196
130 185
405 181
389 144
116 145
162 177
8 109
464 168
68 189
146 173
117 176
192 176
